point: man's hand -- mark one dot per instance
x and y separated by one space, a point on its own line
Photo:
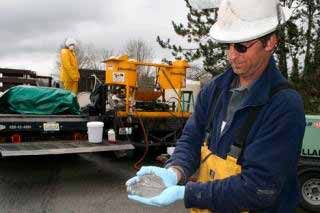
172 193
168 176
167 197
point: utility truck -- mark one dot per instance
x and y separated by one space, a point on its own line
140 118
309 165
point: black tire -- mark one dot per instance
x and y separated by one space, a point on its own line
310 189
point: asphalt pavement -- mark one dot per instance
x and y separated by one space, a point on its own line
72 183
76 183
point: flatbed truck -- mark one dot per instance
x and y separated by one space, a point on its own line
22 135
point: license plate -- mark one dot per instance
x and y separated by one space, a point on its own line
51 127
2 127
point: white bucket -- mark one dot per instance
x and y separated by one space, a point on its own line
95 131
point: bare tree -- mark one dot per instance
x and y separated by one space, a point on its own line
141 51
90 57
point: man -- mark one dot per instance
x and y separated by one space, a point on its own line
69 73
251 123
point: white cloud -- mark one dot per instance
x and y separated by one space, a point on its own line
32 31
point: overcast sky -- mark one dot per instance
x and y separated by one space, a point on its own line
32 31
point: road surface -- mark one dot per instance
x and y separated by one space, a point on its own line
74 183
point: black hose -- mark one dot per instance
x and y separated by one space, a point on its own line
137 165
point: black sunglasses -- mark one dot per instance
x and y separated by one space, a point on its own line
241 48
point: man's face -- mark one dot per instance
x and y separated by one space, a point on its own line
71 47
248 57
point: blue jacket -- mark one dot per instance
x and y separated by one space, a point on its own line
268 181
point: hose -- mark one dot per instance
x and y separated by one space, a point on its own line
96 79
137 165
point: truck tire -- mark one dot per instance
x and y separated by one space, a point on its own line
310 189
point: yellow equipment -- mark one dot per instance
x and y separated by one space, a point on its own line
122 71
173 76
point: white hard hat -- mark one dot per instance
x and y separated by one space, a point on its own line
244 20
70 41
204 4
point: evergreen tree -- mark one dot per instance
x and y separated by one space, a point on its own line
306 16
294 77
290 45
298 53
309 53
293 47
196 32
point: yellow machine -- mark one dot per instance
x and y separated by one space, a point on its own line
122 72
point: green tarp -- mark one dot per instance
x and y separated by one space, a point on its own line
38 101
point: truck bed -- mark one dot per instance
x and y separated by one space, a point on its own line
41 123
39 118
59 147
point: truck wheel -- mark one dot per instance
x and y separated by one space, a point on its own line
310 189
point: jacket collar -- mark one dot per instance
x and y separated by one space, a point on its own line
260 90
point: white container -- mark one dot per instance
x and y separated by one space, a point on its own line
111 136
83 99
170 150
95 131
